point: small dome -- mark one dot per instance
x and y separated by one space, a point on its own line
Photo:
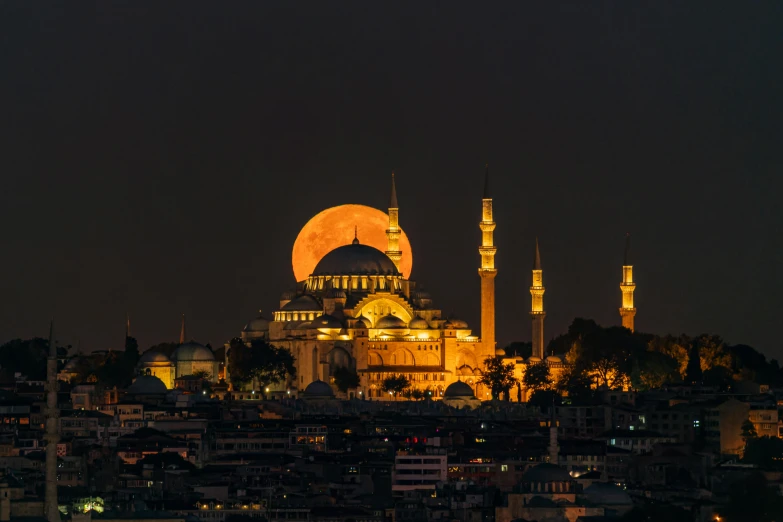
418 323
390 321
500 352
193 351
147 385
355 259
457 323
318 390
303 303
554 359
336 293
546 472
326 321
363 322
607 494
533 360
152 357
259 324
287 295
458 390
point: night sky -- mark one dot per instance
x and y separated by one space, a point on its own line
161 157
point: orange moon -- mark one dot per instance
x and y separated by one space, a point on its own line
334 227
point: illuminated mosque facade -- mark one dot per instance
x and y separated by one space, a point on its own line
357 310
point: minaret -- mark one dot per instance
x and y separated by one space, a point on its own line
537 313
487 270
393 232
182 331
627 311
52 436
127 325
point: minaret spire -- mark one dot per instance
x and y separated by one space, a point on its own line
52 435
393 232
487 271
127 325
627 287
537 313
355 235
182 334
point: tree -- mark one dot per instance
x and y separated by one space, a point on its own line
748 431
537 376
545 399
261 361
712 352
131 355
395 384
576 384
652 370
693 371
498 377
417 394
718 376
26 356
202 374
765 452
752 500
345 379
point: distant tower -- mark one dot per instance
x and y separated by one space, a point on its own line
627 311
52 436
537 313
127 325
487 271
393 232
182 335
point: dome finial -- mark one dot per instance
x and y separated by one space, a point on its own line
355 235
393 202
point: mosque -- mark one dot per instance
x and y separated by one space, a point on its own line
357 310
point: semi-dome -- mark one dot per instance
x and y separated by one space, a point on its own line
303 303
259 324
147 385
154 357
546 472
500 352
458 390
193 351
336 293
318 390
390 321
607 494
419 323
355 259
326 321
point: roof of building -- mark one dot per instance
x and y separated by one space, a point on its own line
258 324
326 321
390 321
419 323
318 390
303 303
607 493
459 390
154 356
193 351
147 385
356 259
546 472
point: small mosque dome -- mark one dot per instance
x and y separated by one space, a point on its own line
326 321
607 494
458 390
363 322
554 359
259 324
335 293
193 351
390 321
546 472
355 259
457 323
534 360
288 295
152 357
418 323
500 352
318 390
147 385
303 303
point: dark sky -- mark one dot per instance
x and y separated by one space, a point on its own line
161 157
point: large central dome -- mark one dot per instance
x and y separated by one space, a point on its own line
356 259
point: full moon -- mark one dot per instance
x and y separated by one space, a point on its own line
334 227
